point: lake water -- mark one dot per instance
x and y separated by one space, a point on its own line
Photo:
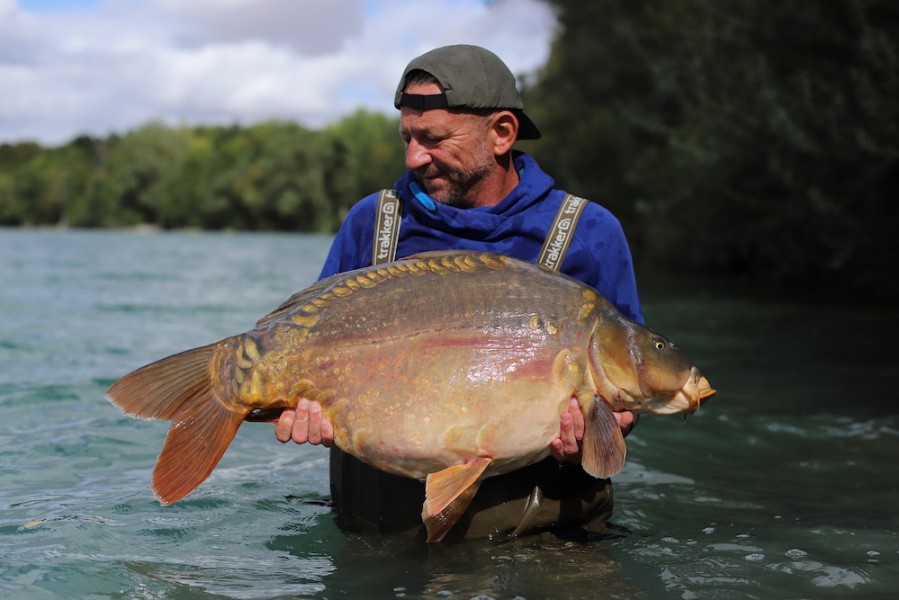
786 485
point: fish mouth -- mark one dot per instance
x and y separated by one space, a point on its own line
701 390
705 394
694 393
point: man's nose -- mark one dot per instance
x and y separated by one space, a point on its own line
417 155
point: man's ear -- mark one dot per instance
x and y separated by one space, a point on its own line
503 132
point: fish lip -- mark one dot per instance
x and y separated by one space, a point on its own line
701 388
703 394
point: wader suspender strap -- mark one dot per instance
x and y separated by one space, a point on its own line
387 228
557 241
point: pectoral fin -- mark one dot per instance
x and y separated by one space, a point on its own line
448 493
603 445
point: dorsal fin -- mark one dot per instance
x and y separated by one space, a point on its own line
441 254
301 298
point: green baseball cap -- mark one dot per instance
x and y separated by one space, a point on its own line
471 77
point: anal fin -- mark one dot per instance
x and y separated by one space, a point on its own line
603 450
448 494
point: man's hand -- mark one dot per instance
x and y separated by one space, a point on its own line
567 447
305 425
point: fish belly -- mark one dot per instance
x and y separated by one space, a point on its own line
418 405
418 373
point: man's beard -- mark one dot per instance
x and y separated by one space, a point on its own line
459 182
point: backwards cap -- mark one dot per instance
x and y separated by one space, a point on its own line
471 77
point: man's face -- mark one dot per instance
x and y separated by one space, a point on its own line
447 151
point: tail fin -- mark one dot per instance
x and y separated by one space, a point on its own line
179 388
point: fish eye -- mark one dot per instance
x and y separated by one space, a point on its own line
659 344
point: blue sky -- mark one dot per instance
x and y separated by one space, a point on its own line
71 67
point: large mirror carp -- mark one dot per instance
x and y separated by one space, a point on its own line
447 367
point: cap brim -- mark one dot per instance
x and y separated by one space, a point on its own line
526 128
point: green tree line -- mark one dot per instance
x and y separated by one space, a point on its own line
268 176
737 136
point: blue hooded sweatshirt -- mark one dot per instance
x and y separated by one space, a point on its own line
599 255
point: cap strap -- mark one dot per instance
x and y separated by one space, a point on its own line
424 101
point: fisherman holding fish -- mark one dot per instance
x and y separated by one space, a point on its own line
465 187
471 379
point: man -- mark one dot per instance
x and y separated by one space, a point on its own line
465 188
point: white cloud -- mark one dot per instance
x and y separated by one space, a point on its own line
118 64
307 26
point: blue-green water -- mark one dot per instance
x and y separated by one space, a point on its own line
785 486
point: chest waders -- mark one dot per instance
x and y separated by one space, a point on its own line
539 496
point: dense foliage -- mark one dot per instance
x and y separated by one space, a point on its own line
752 137
266 176
742 136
